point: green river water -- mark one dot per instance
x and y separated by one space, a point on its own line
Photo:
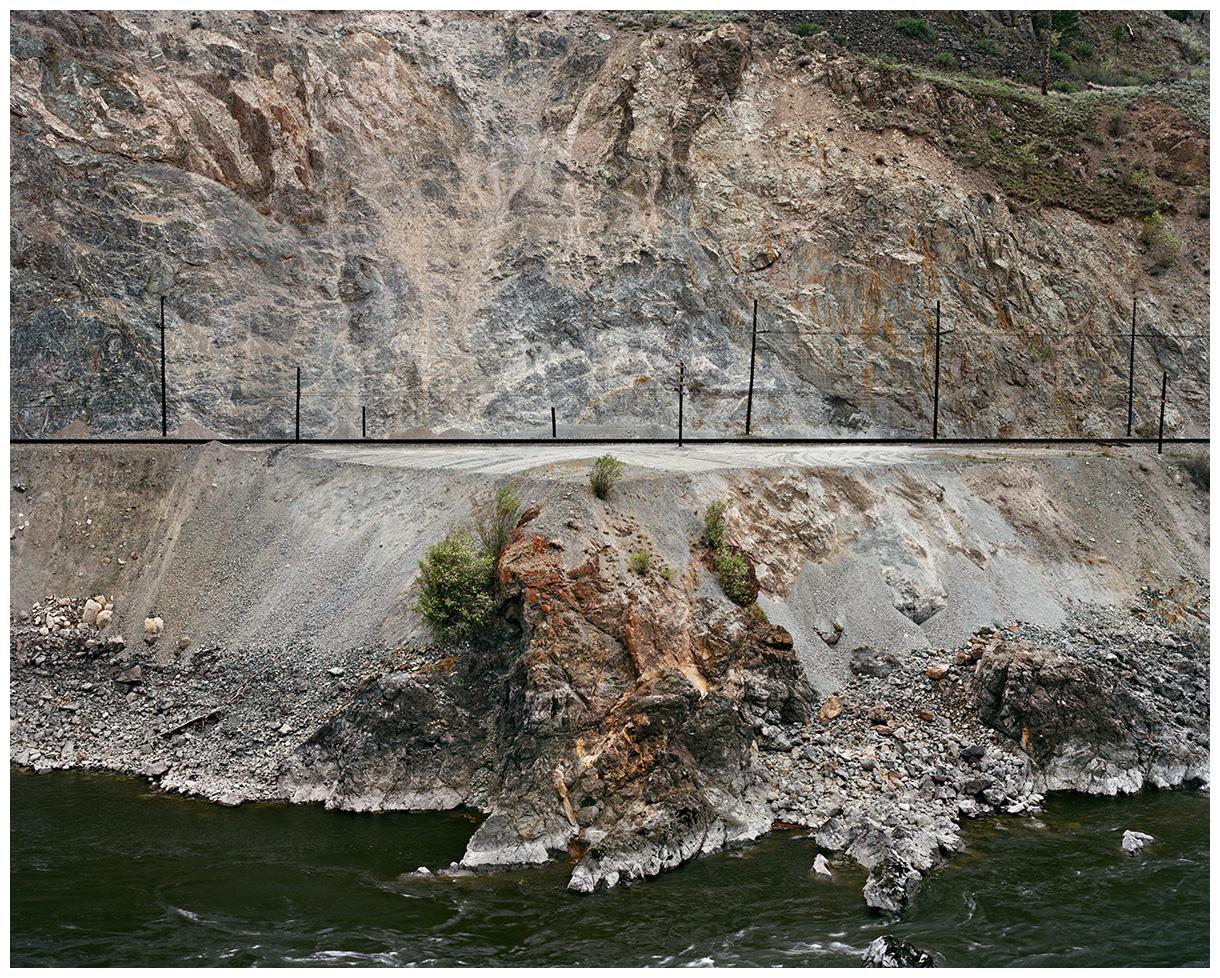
105 871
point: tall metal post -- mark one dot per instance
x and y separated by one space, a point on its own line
364 431
1160 436
936 381
681 389
298 438
164 423
1131 373
553 429
753 346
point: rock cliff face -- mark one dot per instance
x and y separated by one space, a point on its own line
458 221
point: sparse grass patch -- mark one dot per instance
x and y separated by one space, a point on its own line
495 520
803 28
639 562
944 60
1159 241
1199 467
669 574
756 611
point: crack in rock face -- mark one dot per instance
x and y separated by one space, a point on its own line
618 728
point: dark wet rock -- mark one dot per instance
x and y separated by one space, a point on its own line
893 952
891 885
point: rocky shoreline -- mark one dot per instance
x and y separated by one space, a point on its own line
1111 703
881 771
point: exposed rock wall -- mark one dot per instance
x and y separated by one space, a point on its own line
458 221
619 727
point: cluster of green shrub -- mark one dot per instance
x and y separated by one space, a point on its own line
732 570
606 471
639 562
916 27
457 582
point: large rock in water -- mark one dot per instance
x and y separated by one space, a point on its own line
1092 725
619 726
894 952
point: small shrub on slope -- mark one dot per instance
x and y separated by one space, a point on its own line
606 471
456 588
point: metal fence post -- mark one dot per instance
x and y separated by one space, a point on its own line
164 423
1160 436
936 380
364 431
298 435
1131 373
753 346
681 386
553 429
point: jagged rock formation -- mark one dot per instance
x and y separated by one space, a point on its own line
458 221
1105 726
620 728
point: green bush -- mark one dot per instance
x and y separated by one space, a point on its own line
713 523
639 561
944 60
456 591
495 520
606 471
733 573
1199 468
915 27
802 28
1062 59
